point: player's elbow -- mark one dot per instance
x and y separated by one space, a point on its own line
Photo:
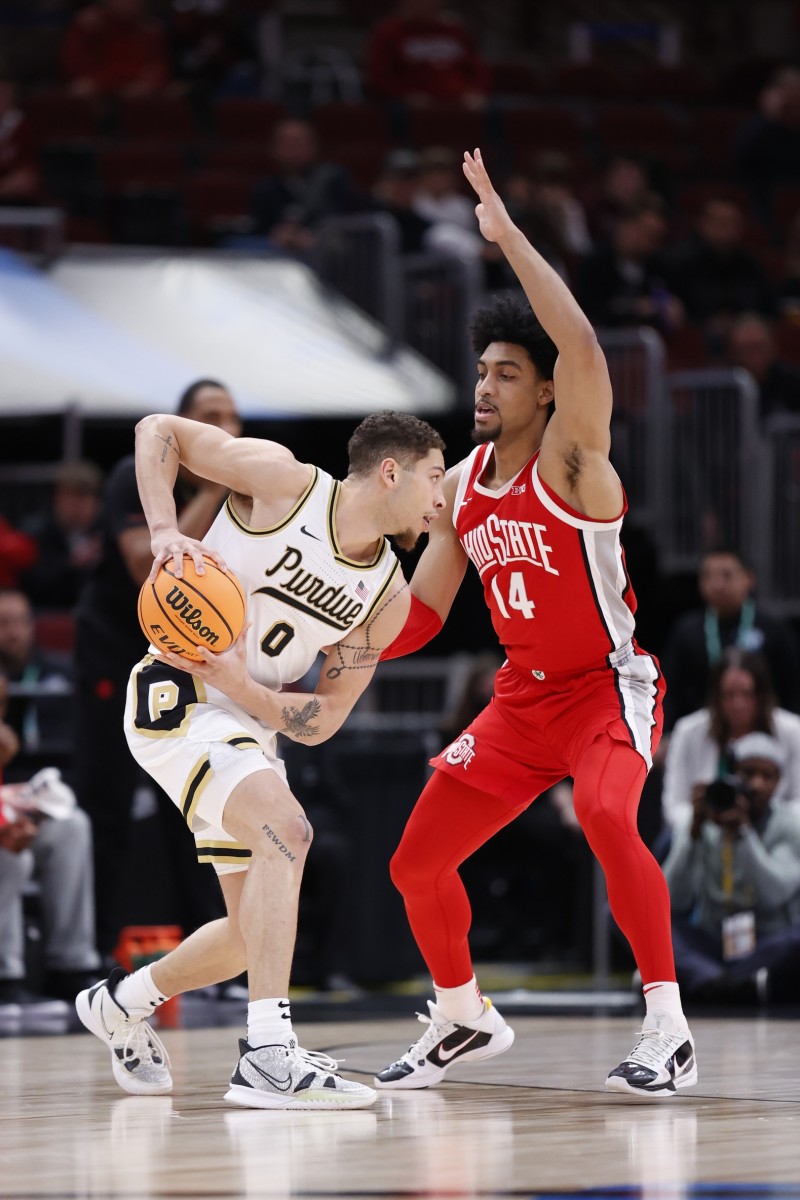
149 424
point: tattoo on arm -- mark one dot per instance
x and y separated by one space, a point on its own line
364 658
169 444
298 721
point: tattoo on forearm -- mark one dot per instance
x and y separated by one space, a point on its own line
364 658
169 444
298 721
273 837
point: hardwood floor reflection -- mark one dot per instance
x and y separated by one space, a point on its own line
536 1119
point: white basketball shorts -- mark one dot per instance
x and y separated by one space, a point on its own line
197 751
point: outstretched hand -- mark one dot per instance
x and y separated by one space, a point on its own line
495 223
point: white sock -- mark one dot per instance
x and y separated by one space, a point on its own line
462 1003
138 994
268 1022
664 997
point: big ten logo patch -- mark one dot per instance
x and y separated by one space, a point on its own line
461 752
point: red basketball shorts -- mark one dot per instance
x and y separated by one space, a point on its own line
535 730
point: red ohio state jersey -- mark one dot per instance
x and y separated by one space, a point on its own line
555 581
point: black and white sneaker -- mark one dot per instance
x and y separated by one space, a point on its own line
285 1076
444 1044
661 1062
139 1060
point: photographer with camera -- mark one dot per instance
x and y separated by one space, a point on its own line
734 878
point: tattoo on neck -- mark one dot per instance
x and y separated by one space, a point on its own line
169 444
298 721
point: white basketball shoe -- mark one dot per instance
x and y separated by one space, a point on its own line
447 1043
139 1060
662 1061
285 1076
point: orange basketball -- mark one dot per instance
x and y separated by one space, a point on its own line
198 610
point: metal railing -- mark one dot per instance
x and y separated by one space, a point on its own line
38 231
424 300
360 257
776 483
636 365
711 450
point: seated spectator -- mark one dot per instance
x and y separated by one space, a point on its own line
211 48
396 192
440 195
730 616
42 723
68 537
767 148
751 344
555 195
733 874
419 54
622 282
301 190
19 174
624 184
713 275
114 48
17 553
58 853
740 701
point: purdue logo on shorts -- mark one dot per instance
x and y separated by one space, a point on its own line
461 751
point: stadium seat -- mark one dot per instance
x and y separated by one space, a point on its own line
529 130
212 198
591 80
240 118
56 116
157 118
713 131
677 85
446 125
511 78
55 632
140 163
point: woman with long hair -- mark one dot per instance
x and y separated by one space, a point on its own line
740 700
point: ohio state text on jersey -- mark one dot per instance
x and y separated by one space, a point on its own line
555 581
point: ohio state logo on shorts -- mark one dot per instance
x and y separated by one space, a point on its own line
461 751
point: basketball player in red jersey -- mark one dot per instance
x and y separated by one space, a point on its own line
537 508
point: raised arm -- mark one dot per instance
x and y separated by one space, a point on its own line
581 423
252 467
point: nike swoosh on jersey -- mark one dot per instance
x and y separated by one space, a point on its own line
308 533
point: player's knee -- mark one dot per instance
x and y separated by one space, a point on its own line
409 871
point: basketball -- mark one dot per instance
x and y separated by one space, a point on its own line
179 615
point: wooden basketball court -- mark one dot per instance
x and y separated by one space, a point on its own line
535 1122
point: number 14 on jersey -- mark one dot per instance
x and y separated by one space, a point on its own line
517 596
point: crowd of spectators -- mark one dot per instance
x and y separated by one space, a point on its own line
154 126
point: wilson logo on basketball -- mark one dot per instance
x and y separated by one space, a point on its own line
190 616
180 614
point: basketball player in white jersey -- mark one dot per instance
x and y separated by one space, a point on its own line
312 557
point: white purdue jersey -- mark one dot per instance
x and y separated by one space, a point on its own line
302 592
